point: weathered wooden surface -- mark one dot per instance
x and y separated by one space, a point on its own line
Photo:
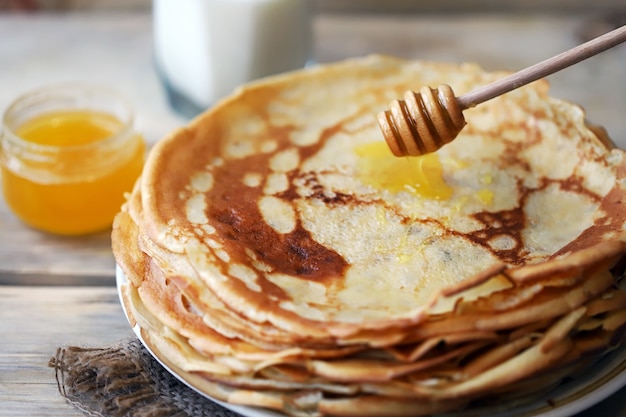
34 321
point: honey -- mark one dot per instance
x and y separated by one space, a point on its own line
65 171
422 175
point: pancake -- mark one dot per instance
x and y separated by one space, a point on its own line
276 218
277 252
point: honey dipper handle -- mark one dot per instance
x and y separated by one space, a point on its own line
543 68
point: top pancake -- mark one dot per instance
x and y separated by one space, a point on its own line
273 197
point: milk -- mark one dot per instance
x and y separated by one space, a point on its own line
204 49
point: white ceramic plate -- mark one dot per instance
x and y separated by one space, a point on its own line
608 376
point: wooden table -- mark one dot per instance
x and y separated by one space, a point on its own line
60 291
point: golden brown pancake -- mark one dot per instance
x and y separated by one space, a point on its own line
276 249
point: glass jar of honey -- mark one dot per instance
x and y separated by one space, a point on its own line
68 154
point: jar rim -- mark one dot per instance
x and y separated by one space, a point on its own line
66 90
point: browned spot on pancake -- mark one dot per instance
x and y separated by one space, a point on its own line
614 208
575 184
505 223
511 223
312 183
234 208
238 220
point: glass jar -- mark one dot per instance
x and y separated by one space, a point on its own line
68 154
204 49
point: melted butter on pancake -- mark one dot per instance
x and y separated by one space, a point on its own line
423 175
485 196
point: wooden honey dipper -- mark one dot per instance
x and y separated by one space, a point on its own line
423 122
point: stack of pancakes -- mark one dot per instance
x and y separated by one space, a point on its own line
278 256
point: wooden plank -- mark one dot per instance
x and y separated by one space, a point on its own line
34 321
30 257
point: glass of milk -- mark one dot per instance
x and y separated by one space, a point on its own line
204 49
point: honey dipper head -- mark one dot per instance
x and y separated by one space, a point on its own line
423 122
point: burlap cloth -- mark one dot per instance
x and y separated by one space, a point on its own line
124 380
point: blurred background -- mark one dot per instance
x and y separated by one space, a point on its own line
45 41
395 6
